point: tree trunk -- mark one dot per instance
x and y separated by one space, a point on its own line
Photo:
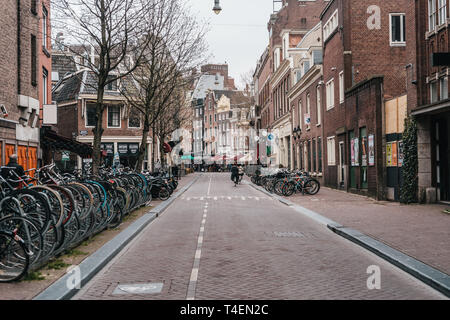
153 146
98 131
142 148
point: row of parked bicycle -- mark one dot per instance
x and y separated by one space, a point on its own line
43 216
286 183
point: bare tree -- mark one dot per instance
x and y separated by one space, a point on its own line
176 46
114 33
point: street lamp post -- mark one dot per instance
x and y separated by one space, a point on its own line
217 7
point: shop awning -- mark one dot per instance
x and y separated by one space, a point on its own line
50 139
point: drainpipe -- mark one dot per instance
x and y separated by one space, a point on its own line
18 48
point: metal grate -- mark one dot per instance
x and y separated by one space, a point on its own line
289 234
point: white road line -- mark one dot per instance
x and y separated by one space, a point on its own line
198 254
229 198
257 198
243 198
194 275
202 229
201 198
215 198
209 186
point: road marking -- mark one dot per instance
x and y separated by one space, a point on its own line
201 198
257 198
209 186
229 198
188 199
194 275
215 198
190 295
243 198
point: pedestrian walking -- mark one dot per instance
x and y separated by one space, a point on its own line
235 174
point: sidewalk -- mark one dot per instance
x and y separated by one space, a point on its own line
420 231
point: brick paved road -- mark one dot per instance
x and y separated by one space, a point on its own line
252 247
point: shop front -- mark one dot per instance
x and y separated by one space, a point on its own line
128 153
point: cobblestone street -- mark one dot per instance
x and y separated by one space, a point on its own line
221 242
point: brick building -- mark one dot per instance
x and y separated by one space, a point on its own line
19 85
286 28
306 101
212 77
263 96
45 59
76 96
364 50
428 99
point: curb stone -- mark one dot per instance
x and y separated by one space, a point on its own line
59 290
434 278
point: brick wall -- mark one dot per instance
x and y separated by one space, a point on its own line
8 55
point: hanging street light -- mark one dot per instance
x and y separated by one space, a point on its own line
217 7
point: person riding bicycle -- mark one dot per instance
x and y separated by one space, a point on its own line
241 172
235 174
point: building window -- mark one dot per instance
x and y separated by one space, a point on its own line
112 84
134 119
300 118
319 107
44 85
330 25
319 152
442 11
314 163
44 27
330 94
308 155
90 115
398 30
341 87
34 7
114 116
308 111
331 151
431 15
433 92
33 61
443 87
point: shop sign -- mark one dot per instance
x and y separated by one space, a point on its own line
109 147
364 151
65 156
391 154
122 148
400 153
371 150
354 147
133 147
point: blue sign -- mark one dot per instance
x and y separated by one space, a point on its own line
270 137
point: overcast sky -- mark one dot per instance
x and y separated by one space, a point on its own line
238 35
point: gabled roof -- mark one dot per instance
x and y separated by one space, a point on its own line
208 82
68 88
85 82
63 64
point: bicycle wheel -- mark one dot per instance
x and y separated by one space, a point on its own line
35 207
163 194
288 189
14 260
312 186
28 231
